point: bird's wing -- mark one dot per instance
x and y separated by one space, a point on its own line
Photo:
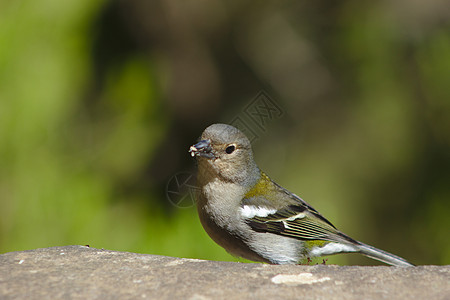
295 219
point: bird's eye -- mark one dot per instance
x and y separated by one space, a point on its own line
230 149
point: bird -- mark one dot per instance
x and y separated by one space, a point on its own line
253 217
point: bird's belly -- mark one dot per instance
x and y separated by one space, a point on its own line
228 238
277 249
262 247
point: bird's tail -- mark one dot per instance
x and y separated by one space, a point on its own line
383 256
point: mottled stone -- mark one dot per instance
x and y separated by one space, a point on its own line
78 272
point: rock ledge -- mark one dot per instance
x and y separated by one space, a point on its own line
79 272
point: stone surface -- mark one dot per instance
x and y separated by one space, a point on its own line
78 272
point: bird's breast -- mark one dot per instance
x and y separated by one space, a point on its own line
222 200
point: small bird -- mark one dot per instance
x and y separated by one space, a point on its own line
253 217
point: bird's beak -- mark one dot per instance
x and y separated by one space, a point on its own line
202 148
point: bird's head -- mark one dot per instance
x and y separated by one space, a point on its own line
224 152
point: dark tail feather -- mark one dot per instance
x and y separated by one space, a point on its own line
383 256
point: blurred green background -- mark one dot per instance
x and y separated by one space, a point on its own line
100 101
